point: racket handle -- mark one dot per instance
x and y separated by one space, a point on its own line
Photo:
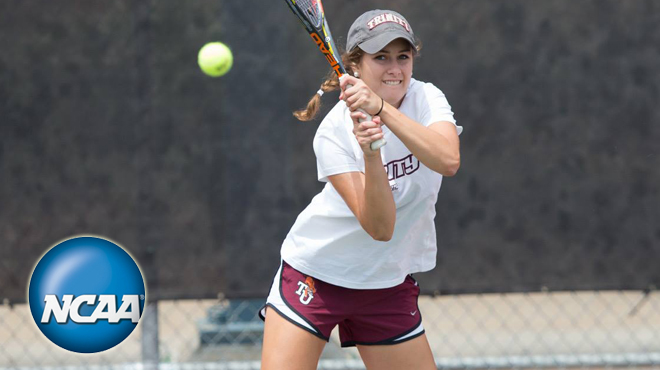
375 145
378 143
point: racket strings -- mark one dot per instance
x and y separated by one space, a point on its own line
311 10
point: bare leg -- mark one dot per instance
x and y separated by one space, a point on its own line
286 346
413 354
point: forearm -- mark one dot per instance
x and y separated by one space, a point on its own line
378 211
429 147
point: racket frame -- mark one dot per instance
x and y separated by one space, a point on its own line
319 31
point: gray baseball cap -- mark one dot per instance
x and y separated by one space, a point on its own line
373 30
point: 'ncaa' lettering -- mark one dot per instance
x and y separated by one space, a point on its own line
106 309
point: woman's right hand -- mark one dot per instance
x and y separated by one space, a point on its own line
358 95
366 132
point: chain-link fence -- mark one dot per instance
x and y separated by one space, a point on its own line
557 330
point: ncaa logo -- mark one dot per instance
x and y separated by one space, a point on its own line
86 294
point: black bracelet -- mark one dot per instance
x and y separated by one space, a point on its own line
382 103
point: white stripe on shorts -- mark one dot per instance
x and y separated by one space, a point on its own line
417 330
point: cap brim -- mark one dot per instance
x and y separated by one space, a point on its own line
377 43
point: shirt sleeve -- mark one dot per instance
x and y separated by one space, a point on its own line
334 154
436 108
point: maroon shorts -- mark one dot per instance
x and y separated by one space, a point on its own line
364 316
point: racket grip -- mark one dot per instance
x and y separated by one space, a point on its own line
378 143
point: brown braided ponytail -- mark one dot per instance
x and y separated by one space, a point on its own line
331 83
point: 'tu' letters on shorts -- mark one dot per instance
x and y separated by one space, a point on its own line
305 293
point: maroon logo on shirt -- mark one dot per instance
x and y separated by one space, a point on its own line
401 167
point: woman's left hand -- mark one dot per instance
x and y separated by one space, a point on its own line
359 96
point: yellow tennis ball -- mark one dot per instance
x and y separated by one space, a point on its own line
215 59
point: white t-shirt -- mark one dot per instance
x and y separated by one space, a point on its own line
327 241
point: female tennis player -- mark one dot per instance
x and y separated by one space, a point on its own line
348 259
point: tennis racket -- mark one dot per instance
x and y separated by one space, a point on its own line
310 13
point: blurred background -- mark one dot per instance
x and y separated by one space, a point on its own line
548 237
